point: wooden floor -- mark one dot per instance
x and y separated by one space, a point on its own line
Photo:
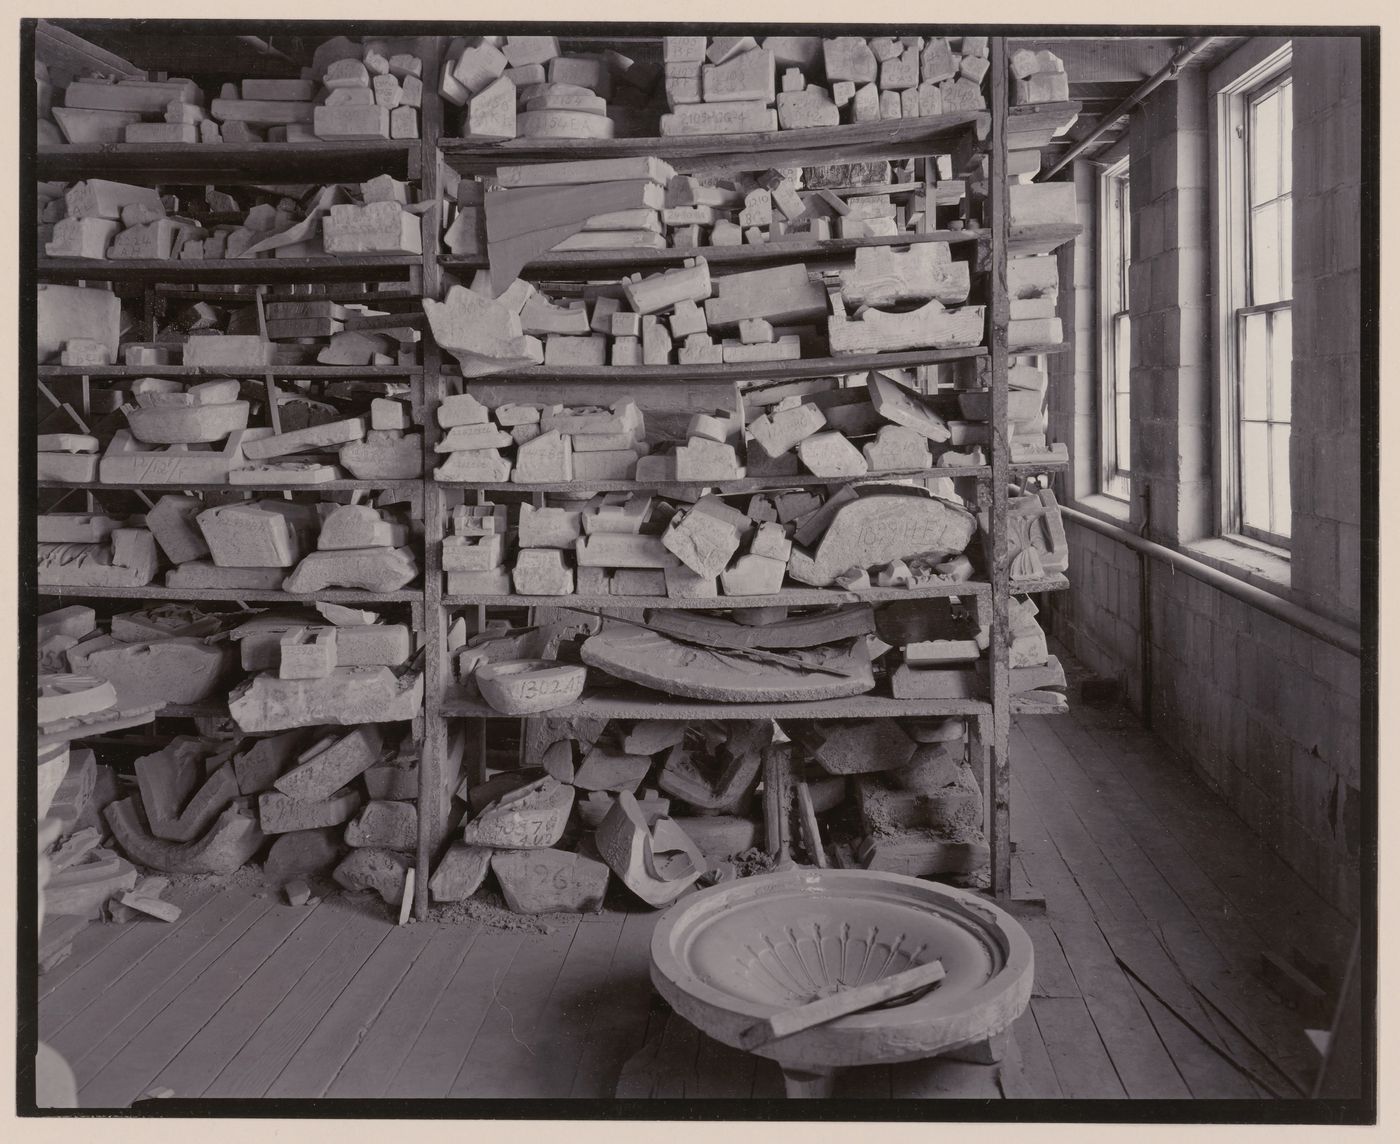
1159 904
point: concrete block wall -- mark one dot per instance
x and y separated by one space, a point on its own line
1324 457
1265 715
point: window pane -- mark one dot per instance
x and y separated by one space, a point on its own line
1254 367
1281 377
1282 506
1264 148
1264 254
1123 431
1254 475
1286 142
1286 247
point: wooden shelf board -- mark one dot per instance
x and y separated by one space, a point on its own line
750 151
191 710
739 371
89 730
159 592
636 703
346 485
1026 118
1041 238
1055 582
789 597
580 261
174 270
753 484
1021 706
299 372
193 163
332 290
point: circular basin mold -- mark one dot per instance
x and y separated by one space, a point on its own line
525 686
732 955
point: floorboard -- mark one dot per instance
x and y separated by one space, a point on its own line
104 1044
581 990
313 1067
260 1061
618 1030
100 937
119 956
502 1060
435 1059
1259 886
1080 1060
130 1073
388 1040
1143 1063
1222 946
1026 1073
133 982
207 1053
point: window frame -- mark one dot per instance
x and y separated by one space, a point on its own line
1114 480
1235 86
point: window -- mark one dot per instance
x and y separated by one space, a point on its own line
1115 422
1256 170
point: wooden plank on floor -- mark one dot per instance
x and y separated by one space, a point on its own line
1206 1075
580 991
1156 902
129 1074
120 955
131 980
1238 869
619 1029
1142 1061
1081 1063
99 937
368 1070
260 1061
503 1056
314 1065
107 1044
435 1059
253 1001
1053 977
1026 1073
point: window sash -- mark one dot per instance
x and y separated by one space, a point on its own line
1116 351
1261 431
1256 445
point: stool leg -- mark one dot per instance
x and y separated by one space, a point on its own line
804 1084
988 1052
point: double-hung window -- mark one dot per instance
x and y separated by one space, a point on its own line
1256 277
1115 251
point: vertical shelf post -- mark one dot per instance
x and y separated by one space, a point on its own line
1000 731
434 765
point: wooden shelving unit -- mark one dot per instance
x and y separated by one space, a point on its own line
354 278
404 278
997 129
